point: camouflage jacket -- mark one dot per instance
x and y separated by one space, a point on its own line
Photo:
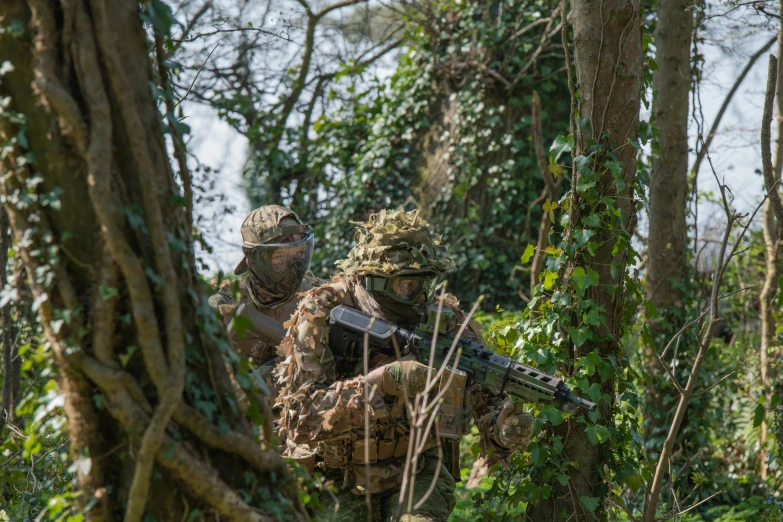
318 407
253 347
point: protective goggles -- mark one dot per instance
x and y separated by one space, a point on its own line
277 257
402 288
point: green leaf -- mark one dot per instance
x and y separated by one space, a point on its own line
554 168
560 146
242 325
579 335
583 280
615 167
591 503
758 416
549 279
597 434
536 455
592 318
592 220
550 206
552 415
529 251
125 357
582 236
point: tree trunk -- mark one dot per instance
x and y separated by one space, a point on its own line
608 63
12 365
667 240
773 244
98 218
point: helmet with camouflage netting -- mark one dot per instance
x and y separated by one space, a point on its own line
277 248
398 255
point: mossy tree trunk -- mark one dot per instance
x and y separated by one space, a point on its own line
608 62
101 226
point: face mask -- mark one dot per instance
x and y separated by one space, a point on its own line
277 269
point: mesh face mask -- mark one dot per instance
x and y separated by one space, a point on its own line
280 267
405 288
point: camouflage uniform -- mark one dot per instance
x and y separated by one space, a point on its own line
260 226
323 407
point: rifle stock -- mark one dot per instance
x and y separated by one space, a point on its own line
264 328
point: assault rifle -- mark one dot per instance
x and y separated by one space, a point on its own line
495 373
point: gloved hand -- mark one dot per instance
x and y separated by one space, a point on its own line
391 379
513 428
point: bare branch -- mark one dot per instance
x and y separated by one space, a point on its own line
766 155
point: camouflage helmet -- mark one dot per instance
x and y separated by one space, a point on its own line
265 223
394 243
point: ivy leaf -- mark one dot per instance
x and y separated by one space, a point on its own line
550 207
597 434
125 357
758 416
592 318
579 335
582 236
108 292
634 482
584 280
554 168
615 167
554 251
549 279
592 220
591 503
536 455
561 145
242 325
529 251
552 415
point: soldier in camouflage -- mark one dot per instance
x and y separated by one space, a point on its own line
277 247
391 274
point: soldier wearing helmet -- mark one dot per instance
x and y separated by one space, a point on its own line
277 248
392 274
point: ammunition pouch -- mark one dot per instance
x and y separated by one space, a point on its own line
381 444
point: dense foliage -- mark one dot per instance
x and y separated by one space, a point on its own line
449 131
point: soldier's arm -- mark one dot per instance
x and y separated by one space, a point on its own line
316 405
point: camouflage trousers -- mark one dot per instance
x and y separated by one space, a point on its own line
348 507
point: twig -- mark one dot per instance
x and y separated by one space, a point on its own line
674 515
713 385
682 330
436 476
196 77
671 375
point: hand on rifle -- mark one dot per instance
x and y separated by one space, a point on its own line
512 428
406 374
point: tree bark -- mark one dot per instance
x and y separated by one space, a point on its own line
667 240
773 242
12 365
608 64
96 212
